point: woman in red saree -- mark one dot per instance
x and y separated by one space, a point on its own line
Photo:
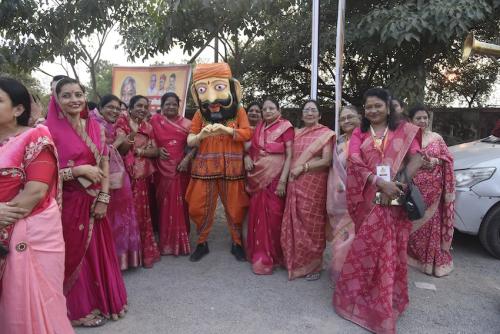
372 288
32 273
431 236
340 230
121 209
170 132
267 165
138 150
305 217
93 283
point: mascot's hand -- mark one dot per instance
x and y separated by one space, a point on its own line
205 132
219 129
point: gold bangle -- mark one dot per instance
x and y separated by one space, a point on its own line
67 174
103 198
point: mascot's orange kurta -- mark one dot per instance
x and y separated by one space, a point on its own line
219 128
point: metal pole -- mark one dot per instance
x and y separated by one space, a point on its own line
339 62
314 49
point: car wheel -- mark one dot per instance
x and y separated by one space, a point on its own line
489 233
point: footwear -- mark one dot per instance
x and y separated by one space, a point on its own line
91 320
238 252
313 276
200 251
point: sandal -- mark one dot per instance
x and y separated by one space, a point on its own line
91 320
313 276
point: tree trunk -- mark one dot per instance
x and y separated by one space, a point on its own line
93 81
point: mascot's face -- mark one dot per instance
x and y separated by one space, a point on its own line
214 93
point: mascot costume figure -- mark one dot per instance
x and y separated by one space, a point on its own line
219 128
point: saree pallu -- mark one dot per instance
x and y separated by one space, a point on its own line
93 282
140 170
266 208
121 210
31 276
305 216
340 225
171 185
372 288
431 236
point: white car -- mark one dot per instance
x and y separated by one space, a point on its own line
477 204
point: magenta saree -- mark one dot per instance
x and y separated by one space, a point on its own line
266 208
140 170
93 282
431 236
305 216
171 185
372 288
31 276
341 225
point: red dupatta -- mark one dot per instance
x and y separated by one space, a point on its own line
267 154
363 159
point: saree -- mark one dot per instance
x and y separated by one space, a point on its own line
265 213
372 290
31 276
431 236
121 210
140 170
171 185
305 216
93 283
340 223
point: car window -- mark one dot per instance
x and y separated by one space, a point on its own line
491 139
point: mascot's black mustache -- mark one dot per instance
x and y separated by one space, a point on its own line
225 103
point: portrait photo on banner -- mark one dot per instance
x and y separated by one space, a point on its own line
153 82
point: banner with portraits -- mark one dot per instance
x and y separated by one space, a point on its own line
153 82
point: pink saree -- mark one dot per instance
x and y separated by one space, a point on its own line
372 288
305 216
31 276
341 225
121 210
140 170
93 282
431 236
266 208
171 185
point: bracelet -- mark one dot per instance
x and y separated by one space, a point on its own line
140 151
67 174
305 169
103 197
130 141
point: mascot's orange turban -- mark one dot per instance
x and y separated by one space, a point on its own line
219 70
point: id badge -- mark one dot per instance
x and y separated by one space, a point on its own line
384 172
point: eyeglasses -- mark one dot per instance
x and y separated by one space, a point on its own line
311 110
346 118
111 108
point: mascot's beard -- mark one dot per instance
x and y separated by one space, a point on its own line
227 110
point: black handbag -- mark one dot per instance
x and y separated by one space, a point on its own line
412 200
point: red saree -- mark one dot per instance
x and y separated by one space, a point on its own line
171 185
93 282
431 236
31 276
305 216
372 288
140 170
266 208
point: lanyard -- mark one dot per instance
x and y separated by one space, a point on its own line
379 143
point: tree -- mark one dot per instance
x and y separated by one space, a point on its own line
103 79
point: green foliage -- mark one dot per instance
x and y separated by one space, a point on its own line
104 71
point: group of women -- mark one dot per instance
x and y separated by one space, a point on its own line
79 196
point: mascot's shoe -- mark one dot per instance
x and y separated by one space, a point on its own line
200 251
238 252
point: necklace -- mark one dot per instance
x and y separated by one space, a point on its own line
379 141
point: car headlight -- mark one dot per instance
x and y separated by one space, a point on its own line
472 176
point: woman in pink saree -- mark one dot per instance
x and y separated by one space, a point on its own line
121 210
305 217
170 132
138 150
32 273
431 236
93 283
340 230
267 165
372 288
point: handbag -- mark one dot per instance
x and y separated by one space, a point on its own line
412 200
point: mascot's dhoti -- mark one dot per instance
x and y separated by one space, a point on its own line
219 128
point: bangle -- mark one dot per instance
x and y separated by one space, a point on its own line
103 197
305 167
67 174
130 141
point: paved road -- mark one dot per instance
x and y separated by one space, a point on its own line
221 295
